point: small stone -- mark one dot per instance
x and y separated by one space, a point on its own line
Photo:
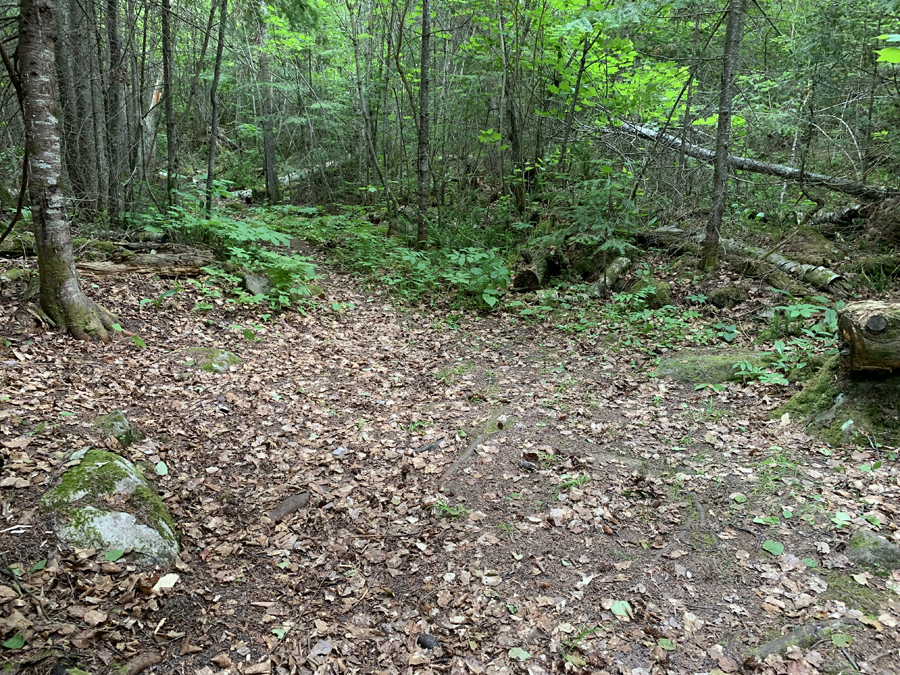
426 641
117 425
528 466
256 284
340 452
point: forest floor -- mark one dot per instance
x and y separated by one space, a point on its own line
642 534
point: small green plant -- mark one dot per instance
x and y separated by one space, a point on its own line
444 510
480 274
508 530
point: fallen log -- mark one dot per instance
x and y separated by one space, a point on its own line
869 333
163 264
815 275
540 267
611 274
808 178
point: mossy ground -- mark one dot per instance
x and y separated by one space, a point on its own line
212 360
704 368
831 400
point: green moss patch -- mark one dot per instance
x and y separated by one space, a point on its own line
212 360
840 408
105 503
115 424
706 368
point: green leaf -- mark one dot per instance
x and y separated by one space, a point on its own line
841 640
116 327
666 644
773 547
888 54
518 654
162 469
136 339
284 564
786 513
771 521
280 632
113 555
621 609
512 609
17 641
809 562
38 566
841 519
739 497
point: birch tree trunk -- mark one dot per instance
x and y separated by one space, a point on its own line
169 103
424 150
62 298
734 32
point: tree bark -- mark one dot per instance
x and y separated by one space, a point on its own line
611 274
734 33
541 266
869 333
61 295
214 104
272 192
115 115
423 149
169 103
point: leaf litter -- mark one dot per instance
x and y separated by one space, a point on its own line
372 490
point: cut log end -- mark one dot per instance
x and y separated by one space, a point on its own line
869 333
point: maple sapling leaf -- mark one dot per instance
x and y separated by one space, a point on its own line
773 547
17 641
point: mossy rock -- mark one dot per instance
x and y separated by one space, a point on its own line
118 426
106 503
873 550
839 408
728 296
655 293
13 275
212 360
708 368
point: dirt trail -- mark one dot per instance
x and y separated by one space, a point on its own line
607 522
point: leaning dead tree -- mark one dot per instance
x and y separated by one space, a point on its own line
808 178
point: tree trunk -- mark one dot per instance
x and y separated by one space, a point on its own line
734 33
423 149
272 192
115 114
169 102
214 104
869 333
61 295
83 138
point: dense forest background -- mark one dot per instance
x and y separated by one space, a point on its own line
492 125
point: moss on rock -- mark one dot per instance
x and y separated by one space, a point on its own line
105 503
119 427
212 360
704 368
655 293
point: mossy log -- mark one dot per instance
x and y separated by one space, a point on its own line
611 274
869 332
163 264
677 239
540 267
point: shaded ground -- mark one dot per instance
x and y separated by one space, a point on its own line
634 542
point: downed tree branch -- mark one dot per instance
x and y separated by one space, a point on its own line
611 274
163 264
815 275
843 185
541 266
488 429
